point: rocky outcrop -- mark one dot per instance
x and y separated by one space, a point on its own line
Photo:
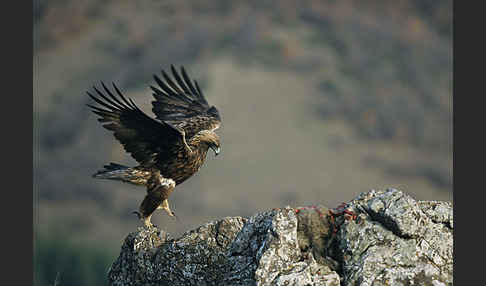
395 240
379 238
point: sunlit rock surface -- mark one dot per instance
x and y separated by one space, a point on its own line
379 238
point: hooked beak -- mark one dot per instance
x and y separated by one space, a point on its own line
216 150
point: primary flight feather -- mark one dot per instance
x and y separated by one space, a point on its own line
170 148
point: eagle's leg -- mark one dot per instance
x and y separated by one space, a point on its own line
165 206
144 219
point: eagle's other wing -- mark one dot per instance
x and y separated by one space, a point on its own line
183 104
146 139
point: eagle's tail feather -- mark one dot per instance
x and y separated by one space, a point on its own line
116 172
126 174
111 171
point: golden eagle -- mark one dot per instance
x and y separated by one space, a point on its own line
170 148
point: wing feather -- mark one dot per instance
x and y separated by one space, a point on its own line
188 82
179 80
147 140
176 88
180 102
119 103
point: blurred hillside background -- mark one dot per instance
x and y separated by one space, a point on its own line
320 100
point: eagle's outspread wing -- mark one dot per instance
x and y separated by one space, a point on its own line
180 102
146 139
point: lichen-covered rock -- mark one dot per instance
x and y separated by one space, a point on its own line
380 238
395 241
261 250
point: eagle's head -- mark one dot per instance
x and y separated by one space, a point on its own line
209 139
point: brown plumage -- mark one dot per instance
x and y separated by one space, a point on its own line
170 148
